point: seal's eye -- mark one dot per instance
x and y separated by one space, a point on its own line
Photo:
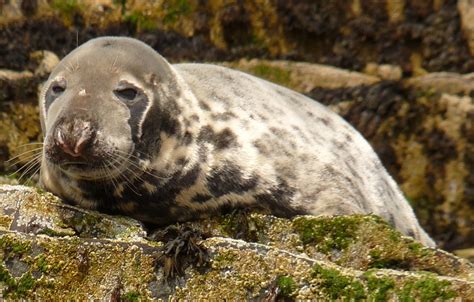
54 91
127 94
57 89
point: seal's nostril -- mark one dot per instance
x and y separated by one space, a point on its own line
82 142
73 142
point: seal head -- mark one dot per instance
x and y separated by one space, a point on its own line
87 97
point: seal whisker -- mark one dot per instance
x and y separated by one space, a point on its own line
32 143
127 182
33 159
34 151
22 161
28 166
119 154
108 174
33 174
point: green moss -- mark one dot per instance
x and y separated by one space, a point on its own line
380 260
175 9
131 296
16 289
53 233
25 284
42 264
5 276
12 246
426 289
286 285
379 287
67 9
337 286
275 74
140 21
328 233
39 190
242 225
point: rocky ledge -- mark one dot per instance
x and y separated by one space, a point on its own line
52 250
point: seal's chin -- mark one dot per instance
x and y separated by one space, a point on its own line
88 172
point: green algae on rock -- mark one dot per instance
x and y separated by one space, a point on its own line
32 211
65 263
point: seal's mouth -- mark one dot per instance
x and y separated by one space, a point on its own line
96 161
108 167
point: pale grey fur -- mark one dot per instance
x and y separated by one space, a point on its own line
333 168
274 136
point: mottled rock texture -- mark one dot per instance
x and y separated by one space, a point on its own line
49 250
418 36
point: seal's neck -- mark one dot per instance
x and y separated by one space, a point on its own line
178 134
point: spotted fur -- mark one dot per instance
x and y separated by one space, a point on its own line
202 140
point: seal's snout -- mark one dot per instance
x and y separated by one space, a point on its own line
74 138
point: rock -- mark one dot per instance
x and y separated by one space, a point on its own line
302 76
443 82
45 255
384 71
466 12
416 35
19 117
14 84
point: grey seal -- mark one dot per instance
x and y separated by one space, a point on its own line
126 132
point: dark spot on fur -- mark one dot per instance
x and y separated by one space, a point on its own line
352 184
229 179
261 147
411 233
187 138
170 125
391 220
268 108
203 151
237 92
201 198
278 200
222 140
181 161
225 116
106 44
348 137
189 179
205 134
340 145
310 113
204 106
195 118
225 139
324 120
263 117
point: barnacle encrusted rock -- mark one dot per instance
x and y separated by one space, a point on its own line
52 250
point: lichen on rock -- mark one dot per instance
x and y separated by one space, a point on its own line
45 253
